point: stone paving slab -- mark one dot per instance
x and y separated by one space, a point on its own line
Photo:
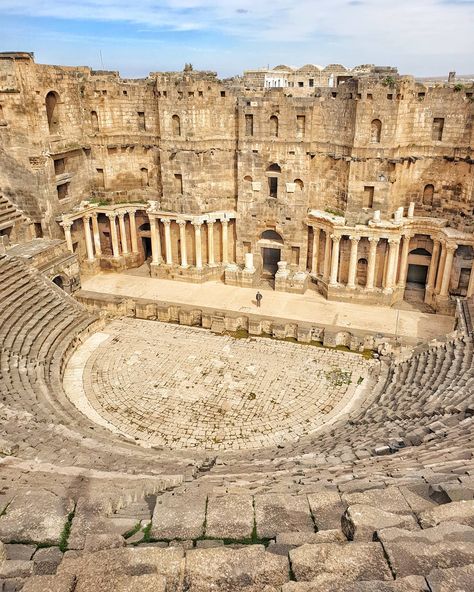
179 517
230 516
275 513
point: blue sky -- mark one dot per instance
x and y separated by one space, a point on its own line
421 37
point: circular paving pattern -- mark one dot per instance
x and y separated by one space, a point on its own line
185 387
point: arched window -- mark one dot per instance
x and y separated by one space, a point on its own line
274 168
299 184
51 102
176 125
428 192
94 121
274 126
375 131
272 235
144 176
58 280
247 183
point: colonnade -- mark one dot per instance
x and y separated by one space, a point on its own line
164 253
92 235
395 263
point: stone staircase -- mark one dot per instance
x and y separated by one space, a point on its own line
9 213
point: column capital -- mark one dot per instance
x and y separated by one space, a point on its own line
224 221
393 241
210 222
181 222
66 223
197 223
121 213
373 240
87 216
450 248
408 235
111 215
354 239
131 211
165 221
335 238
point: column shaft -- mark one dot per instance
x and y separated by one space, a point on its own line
433 266
450 249
96 233
182 242
439 276
113 235
123 233
391 264
198 245
327 254
373 241
353 262
314 262
67 235
88 237
470 287
225 241
133 231
155 241
335 260
169 255
210 242
404 261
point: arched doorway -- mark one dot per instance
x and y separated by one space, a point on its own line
144 234
419 260
361 276
58 280
270 243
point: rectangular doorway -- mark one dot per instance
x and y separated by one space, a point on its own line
270 260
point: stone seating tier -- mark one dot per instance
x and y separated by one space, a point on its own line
383 499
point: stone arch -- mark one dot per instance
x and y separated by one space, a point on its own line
299 184
176 123
274 125
428 193
375 131
274 168
52 111
95 121
271 235
59 281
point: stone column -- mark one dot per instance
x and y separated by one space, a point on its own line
439 277
334 260
470 287
155 241
198 245
88 237
433 266
448 265
225 241
393 243
169 255
113 234
182 242
373 241
314 263
327 252
210 243
133 230
123 232
96 233
67 234
404 260
353 262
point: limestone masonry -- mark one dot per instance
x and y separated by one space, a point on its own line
158 431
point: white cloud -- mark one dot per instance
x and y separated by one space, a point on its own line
423 32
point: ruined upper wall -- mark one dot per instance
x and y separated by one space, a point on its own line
189 140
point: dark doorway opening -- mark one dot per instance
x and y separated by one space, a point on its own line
146 242
270 260
58 280
417 275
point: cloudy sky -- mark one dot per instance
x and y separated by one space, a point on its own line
421 37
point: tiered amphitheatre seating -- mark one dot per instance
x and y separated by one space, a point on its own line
9 213
382 499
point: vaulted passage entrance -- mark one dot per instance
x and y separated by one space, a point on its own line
270 260
417 274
